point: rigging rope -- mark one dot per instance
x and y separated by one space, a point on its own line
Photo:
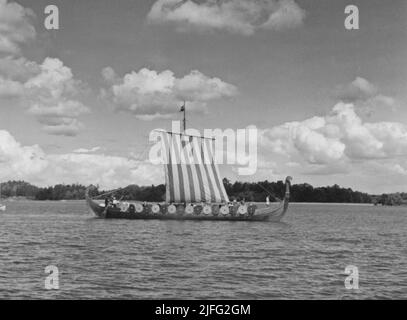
109 192
269 192
137 159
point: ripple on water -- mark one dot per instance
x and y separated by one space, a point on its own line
303 257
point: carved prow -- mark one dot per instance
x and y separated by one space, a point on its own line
93 205
278 216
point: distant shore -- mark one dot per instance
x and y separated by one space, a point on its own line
22 199
249 191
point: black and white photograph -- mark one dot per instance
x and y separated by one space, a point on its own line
203 150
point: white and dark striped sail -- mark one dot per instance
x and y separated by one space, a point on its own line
191 173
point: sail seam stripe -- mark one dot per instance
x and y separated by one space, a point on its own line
209 180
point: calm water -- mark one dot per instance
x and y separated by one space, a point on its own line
302 257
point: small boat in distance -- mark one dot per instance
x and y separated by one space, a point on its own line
194 191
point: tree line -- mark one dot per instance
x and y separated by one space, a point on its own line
248 191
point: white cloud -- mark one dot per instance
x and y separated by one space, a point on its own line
150 94
19 69
305 139
365 96
32 164
338 148
52 95
17 161
48 89
358 89
54 80
287 15
14 72
85 150
236 16
109 75
340 135
198 87
343 145
15 26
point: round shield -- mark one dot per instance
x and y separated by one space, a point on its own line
242 209
224 210
172 209
197 209
155 208
139 207
207 209
251 210
189 209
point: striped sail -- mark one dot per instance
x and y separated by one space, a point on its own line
191 174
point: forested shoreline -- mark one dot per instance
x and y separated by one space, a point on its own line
255 191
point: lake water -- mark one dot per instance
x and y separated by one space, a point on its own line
302 257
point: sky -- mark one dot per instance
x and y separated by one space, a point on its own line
77 104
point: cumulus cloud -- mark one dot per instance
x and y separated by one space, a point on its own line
109 75
343 143
19 69
15 26
365 96
286 15
32 164
150 94
340 136
48 89
369 156
19 161
14 72
53 80
358 89
236 16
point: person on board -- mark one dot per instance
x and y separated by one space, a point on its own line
115 202
106 202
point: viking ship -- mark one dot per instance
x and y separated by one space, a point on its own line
194 189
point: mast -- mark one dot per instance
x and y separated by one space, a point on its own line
184 121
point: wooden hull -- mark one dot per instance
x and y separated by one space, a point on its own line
271 214
256 212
